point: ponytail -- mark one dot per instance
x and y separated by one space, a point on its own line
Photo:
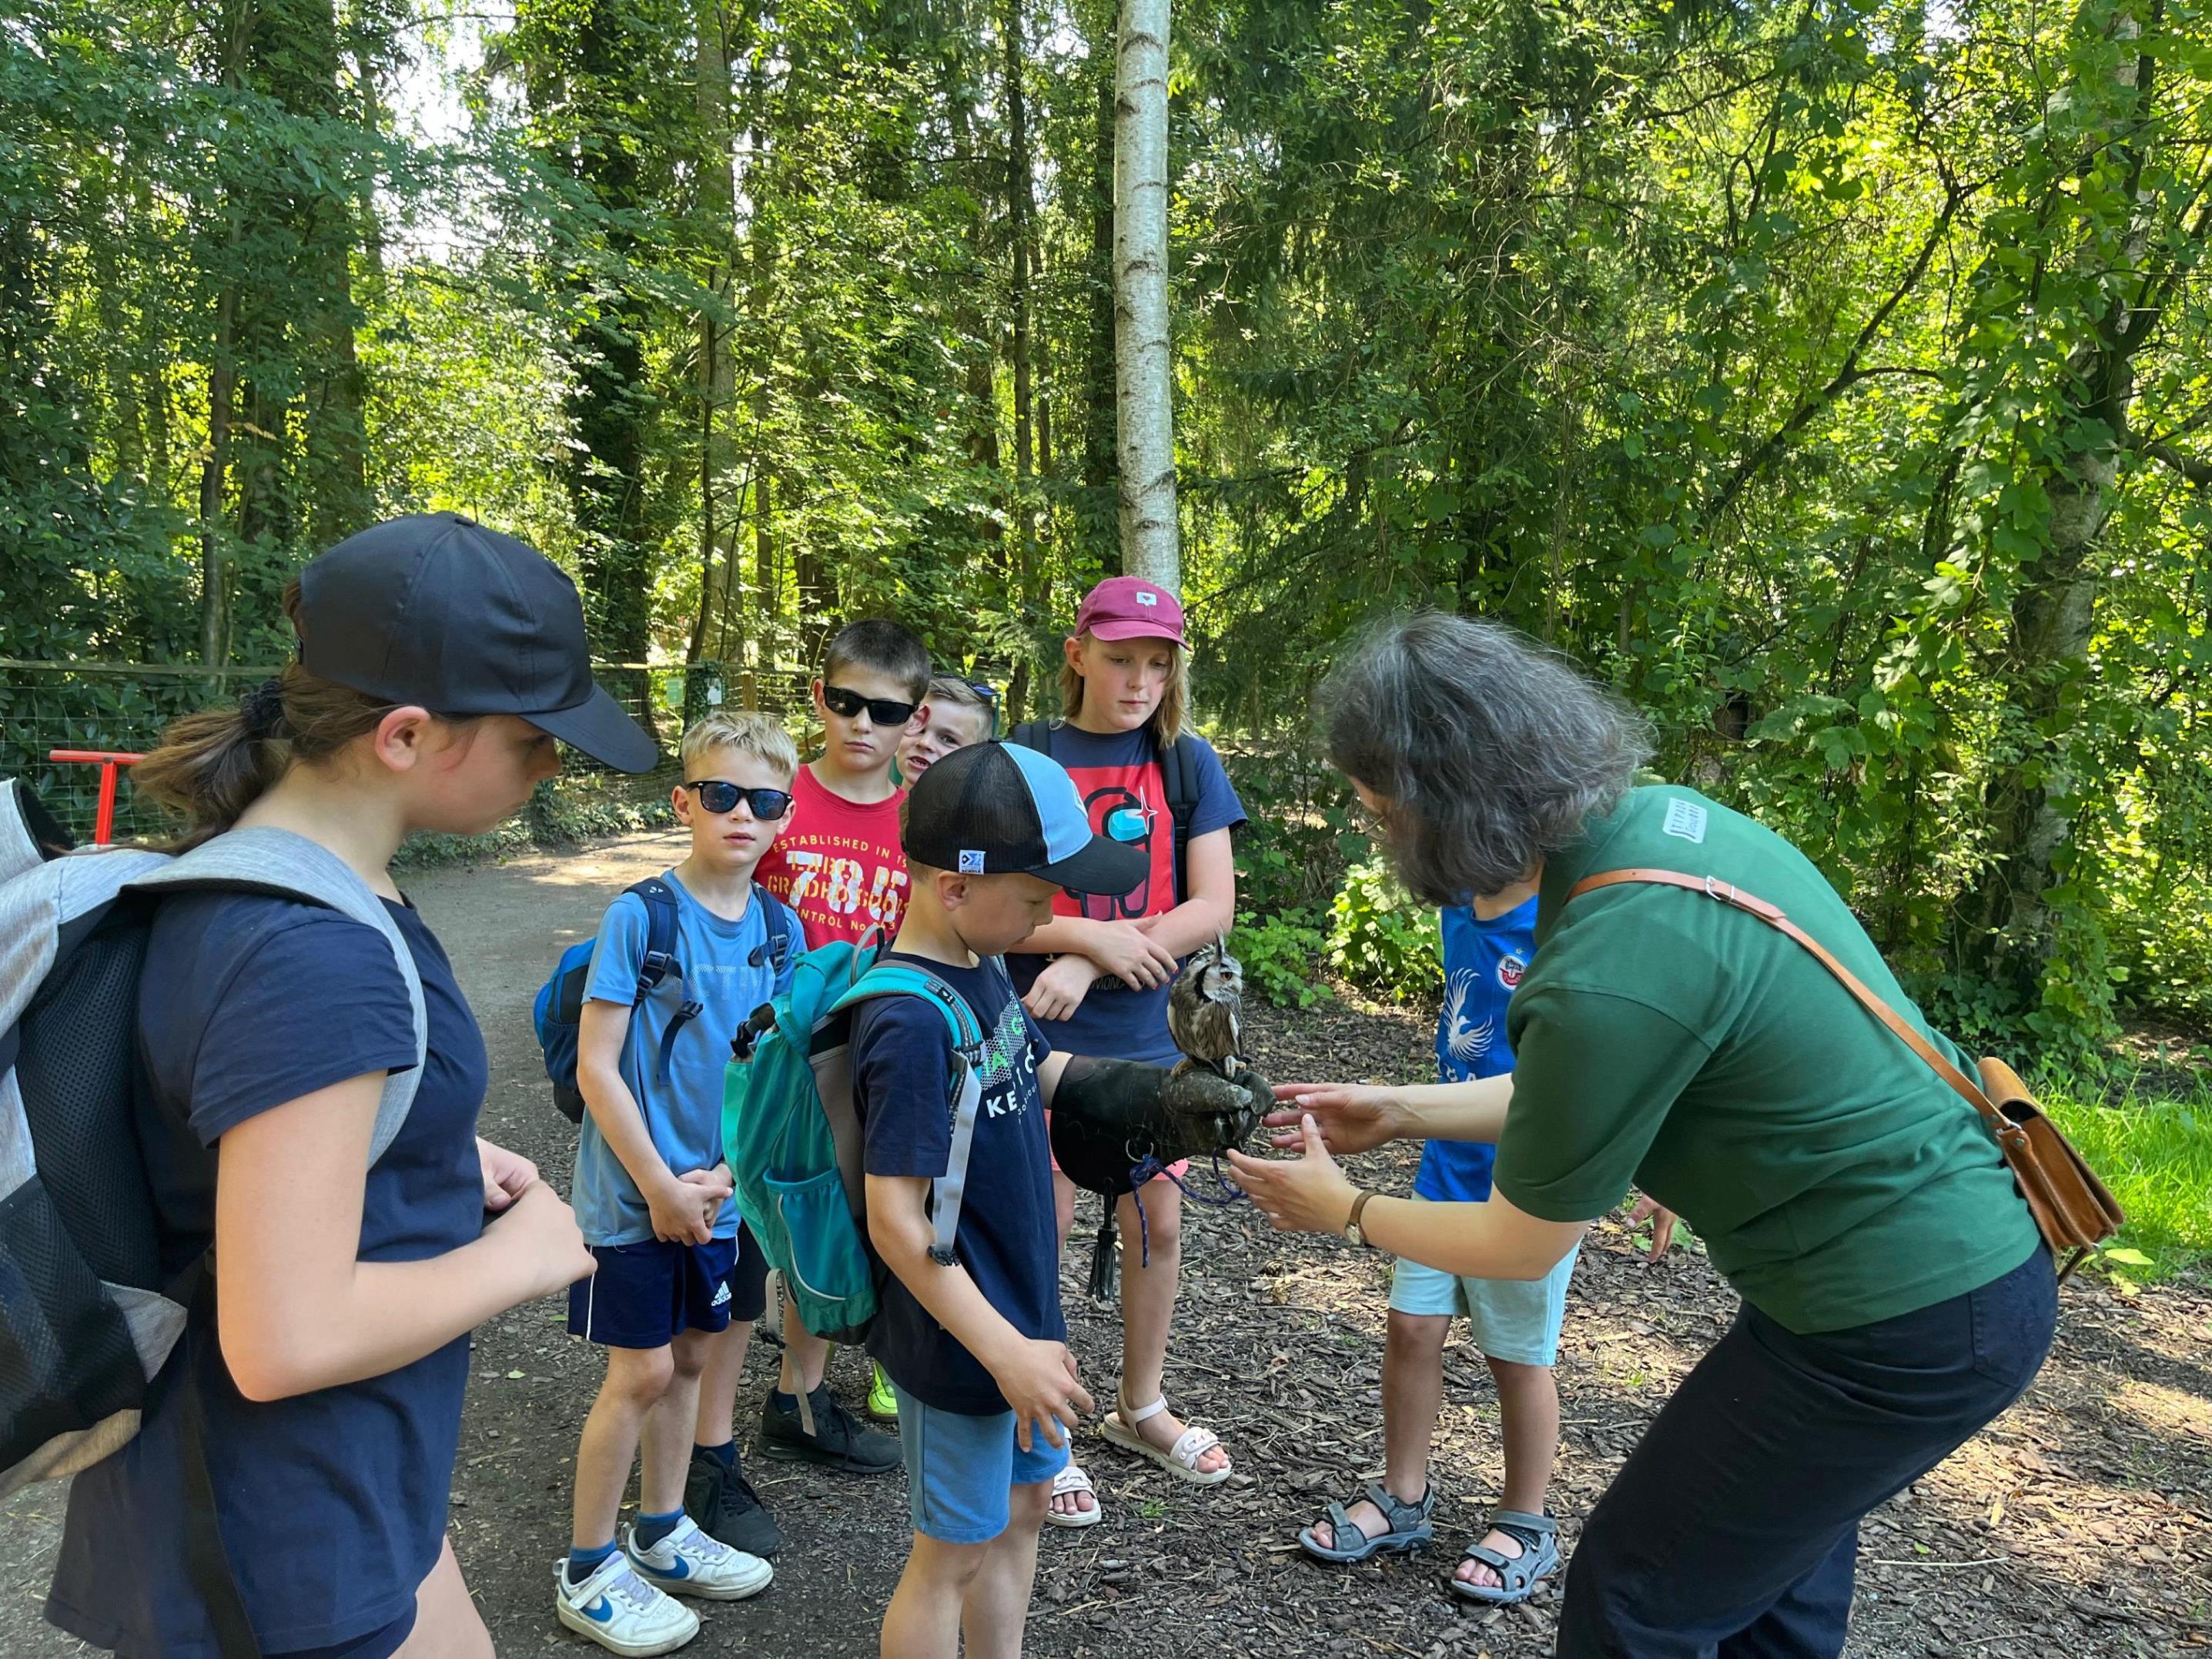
212 766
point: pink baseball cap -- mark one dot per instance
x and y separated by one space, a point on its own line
1127 608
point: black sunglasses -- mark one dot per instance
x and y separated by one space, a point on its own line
884 711
718 797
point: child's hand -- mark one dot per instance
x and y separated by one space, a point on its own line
714 1187
1039 1381
678 1208
505 1174
549 1254
1132 955
1061 986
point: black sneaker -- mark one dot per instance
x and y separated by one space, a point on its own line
726 1506
838 1441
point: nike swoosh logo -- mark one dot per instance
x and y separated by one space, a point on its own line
600 1612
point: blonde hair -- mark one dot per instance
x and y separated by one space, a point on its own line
1171 720
210 767
747 731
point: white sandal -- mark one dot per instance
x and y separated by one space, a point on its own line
1179 1459
1072 1479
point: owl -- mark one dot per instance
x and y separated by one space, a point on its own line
1205 1007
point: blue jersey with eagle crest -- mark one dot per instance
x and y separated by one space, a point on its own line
1483 962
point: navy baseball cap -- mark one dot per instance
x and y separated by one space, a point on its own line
436 610
996 808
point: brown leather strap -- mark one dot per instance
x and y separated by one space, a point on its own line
1723 892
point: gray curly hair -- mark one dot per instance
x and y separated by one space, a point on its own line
1490 750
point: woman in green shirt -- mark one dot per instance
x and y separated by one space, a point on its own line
1897 1295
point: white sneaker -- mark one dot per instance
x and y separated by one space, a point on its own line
687 1562
621 1610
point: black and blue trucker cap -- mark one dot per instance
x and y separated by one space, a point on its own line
435 608
995 809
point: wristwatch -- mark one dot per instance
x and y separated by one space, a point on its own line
1351 1228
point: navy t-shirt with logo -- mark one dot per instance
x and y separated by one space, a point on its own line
332 1504
1483 962
1124 790
1008 1237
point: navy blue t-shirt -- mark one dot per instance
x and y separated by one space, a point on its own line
332 1504
1008 1238
1483 961
1124 789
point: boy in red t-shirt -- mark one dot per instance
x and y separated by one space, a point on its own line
840 867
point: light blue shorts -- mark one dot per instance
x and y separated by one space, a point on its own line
1514 1320
961 1470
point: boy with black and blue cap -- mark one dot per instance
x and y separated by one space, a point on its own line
976 1347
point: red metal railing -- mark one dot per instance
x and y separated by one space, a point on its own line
110 762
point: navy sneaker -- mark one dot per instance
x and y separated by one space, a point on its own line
838 1441
726 1506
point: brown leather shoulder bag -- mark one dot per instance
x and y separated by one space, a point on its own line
2070 1205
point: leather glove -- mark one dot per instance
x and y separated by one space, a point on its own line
1109 1116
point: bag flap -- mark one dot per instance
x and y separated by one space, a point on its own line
900 979
29 835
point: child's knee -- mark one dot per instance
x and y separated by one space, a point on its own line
1159 1233
689 1354
1027 1506
640 1376
1512 1377
947 1568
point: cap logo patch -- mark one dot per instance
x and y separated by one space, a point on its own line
971 862
1146 596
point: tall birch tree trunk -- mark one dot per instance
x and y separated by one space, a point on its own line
1145 427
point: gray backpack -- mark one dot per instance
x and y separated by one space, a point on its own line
87 1314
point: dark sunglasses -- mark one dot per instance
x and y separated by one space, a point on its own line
884 711
718 797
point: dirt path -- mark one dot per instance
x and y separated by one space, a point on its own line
2080 1525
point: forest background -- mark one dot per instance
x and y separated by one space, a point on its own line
1831 378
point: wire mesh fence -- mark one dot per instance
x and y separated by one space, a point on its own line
123 707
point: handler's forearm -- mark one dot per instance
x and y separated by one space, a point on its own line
1063 936
1474 1111
1489 1240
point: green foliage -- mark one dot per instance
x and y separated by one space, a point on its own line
2154 1151
1383 939
1282 954
1300 838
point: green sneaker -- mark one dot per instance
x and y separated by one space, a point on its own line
883 1400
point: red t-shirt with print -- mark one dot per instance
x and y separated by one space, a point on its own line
838 864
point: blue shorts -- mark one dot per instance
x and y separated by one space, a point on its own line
645 1295
1516 1321
961 1471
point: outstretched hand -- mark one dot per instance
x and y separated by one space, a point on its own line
1351 1117
1308 1193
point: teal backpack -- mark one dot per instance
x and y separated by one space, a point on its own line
793 1137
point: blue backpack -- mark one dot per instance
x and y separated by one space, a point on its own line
793 1137
558 1012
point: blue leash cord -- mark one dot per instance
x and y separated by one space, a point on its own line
1148 1167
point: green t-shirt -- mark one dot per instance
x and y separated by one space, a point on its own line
1669 1041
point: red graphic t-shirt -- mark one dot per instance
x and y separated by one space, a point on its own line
839 865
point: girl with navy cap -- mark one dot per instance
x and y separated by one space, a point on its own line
315 1398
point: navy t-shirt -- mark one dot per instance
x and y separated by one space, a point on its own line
1483 961
1124 789
332 1504
1008 1237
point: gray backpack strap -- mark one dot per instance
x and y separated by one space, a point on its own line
261 860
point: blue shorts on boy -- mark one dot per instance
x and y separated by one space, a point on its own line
332 1504
1124 791
961 1470
729 969
1484 960
1008 1238
643 1296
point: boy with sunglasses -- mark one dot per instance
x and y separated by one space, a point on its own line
838 864
679 1280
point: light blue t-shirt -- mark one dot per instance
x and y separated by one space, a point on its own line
729 970
1483 961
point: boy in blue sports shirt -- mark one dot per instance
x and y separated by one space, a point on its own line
1486 949
679 1280
977 1348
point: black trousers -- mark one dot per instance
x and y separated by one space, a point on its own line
1733 1529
